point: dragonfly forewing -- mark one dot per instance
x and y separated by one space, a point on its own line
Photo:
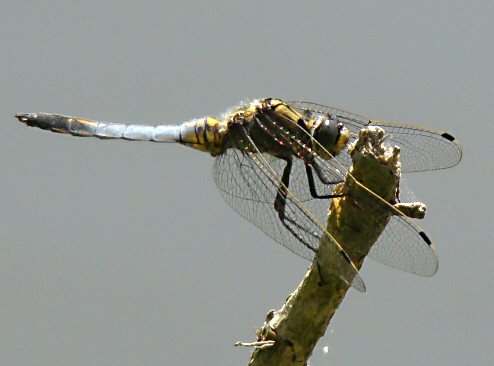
422 148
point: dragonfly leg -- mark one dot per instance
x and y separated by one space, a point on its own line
312 185
280 200
280 206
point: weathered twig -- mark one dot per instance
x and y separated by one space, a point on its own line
303 319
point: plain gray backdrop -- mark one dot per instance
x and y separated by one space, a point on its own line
120 253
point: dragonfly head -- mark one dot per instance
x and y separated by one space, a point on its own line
331 135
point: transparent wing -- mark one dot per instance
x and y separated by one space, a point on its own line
421 148
402 245
249 184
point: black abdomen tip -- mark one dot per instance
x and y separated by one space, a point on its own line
24 117
45 121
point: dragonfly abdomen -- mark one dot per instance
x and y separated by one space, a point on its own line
205 134
104 130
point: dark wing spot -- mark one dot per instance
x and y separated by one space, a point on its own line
425 237
447 136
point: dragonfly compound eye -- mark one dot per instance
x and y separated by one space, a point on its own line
327 133
332 137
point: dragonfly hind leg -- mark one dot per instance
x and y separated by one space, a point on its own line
280 207
280 200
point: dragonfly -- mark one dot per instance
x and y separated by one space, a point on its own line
276 164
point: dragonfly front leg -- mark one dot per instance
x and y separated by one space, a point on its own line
323 178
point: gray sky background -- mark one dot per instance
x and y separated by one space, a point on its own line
119 253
